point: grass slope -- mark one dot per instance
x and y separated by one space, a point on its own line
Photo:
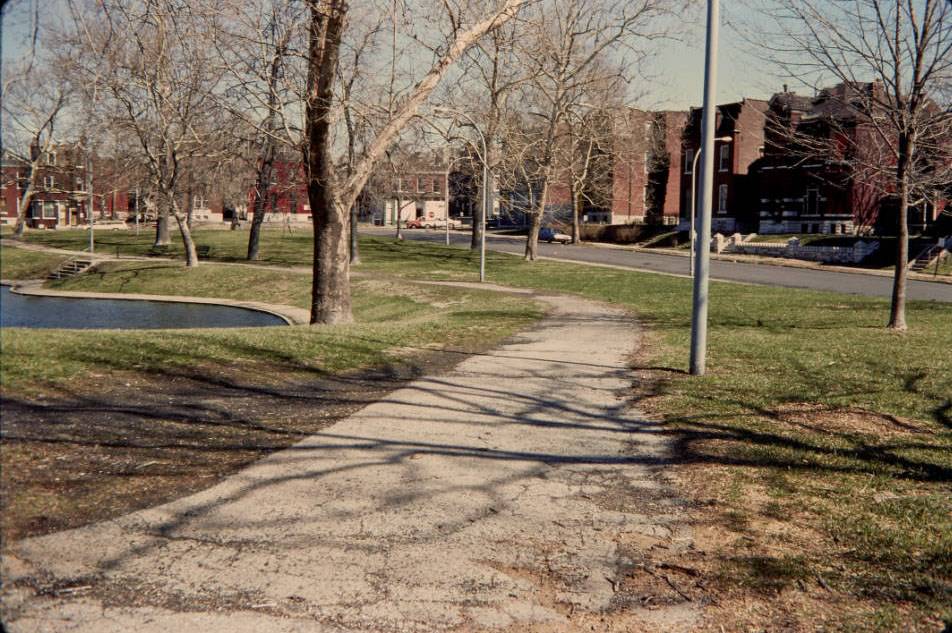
819 445
18 263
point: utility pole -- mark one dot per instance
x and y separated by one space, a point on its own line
90 202
703 242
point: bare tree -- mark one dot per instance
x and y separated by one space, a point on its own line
260 46
34 102
575 45
154 83
332 199
892 58
490 74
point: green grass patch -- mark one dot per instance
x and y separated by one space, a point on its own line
394 320
19 263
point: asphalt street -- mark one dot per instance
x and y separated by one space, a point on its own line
765 274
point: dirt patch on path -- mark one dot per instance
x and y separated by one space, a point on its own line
124 441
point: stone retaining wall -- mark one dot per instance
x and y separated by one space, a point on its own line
792 249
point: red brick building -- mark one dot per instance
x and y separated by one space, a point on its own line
286 200
636 178
59 197
805 183
735 195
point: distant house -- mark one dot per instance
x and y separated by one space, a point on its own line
418 193
286 200
645 181
59 197
807 183
633 173
734 194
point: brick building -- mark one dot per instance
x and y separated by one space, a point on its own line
735 195
634 175
59 197
806 182
286 200
420 192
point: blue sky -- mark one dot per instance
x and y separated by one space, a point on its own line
676 69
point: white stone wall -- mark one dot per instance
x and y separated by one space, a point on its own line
794 250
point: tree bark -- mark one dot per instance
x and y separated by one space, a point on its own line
262 187
191 254
399 216
162 235
22 209
354 245
532 240
330 289
897 310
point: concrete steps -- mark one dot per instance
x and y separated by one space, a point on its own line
71 268
925 259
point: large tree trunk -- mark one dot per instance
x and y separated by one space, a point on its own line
330 290
532 240
897 312
399 217
162 235
25 201
22 209
354 245
191 254
262 187
535 223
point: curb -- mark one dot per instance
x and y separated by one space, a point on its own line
290 314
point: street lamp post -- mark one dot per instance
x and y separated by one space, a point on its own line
723 139
90 201
702 248
485 158
446 185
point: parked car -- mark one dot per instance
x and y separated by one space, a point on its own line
416 223
548 234
441 224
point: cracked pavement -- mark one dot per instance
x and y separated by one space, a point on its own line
513 493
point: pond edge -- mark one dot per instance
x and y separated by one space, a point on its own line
33 287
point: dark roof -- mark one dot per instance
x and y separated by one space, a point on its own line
792 101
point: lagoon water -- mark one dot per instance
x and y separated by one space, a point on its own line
60 312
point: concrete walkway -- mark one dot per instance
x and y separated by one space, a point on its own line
518 492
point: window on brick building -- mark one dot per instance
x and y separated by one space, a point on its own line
437 185
689 161
49 182
421 184
722 199
813 202
724 163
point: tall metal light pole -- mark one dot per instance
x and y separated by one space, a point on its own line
486 185
90 199
702 244
446 194
723 139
